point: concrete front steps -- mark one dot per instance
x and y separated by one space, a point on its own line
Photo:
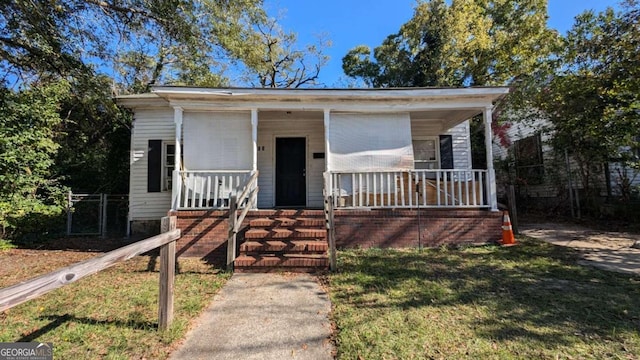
284 241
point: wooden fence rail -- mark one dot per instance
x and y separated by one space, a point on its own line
31 289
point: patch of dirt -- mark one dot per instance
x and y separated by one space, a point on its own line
609 250
577 236
28 262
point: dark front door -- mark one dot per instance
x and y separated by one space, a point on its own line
291 189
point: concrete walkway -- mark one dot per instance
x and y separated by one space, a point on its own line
263 316
606 250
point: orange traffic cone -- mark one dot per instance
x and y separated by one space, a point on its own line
507 231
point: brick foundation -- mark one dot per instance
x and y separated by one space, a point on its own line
389 228
145 228
204 233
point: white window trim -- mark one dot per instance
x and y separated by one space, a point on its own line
165 176
436 140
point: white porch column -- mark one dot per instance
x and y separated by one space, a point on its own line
492 193
254 137
177 161
327 151
327 145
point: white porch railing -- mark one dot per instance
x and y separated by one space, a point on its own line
207 189
455 188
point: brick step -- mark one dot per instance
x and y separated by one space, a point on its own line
277 246
290 262
297 233
283 222
291 213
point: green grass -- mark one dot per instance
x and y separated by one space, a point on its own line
113 314
6 245
528 301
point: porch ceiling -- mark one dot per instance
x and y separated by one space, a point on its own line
446 118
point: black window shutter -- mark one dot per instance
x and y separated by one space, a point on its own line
446 152
154 166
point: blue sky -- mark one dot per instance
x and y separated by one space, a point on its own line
349 23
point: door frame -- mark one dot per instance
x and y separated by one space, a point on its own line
306 163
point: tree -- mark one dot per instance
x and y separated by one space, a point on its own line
269 56
98 49
138 43
592 99
415 56
467 43
28 128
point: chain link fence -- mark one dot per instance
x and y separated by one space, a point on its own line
97 214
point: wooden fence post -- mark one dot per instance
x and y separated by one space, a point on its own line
331 235
513 209
167 275
231 243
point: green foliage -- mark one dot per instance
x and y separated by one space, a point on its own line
70 133
94 139
460 43
6 245
29 191
592 98
466 43
139 42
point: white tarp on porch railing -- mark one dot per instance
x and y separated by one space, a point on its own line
369 142
217 141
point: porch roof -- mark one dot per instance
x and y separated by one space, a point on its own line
449 105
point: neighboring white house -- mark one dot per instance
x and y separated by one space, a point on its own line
191 147
530 159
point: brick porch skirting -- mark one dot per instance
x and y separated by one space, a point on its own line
399 228
204 233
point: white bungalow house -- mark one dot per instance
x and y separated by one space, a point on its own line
394 164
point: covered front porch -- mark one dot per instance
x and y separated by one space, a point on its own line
262 178
376 149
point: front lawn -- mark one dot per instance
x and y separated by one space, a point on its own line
528 301
112 314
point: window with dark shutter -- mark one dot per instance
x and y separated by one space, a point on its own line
529 160
154 166
446 152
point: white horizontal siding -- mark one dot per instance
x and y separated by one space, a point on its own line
281 126
551 185
148 125
617 171
520 130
